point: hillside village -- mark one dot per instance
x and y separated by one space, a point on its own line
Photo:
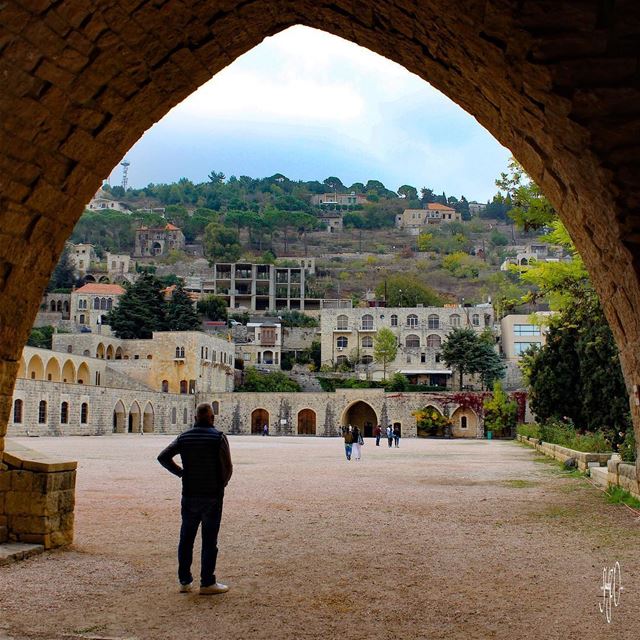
292 290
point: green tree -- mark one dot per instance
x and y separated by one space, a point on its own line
398 382
221 244
41 337
471 354
530 209
180 312
385 348
213 308
63 276
408 192
140 311
402 290
500 412
272 382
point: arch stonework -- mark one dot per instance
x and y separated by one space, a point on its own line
81 92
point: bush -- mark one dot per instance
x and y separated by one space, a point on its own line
398 382
528 430
627 448
566 435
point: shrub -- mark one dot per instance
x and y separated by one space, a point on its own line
566 435
528 430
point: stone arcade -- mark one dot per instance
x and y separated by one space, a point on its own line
554 82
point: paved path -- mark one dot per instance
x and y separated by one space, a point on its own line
437 539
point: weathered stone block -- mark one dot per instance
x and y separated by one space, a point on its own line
5 480
21 480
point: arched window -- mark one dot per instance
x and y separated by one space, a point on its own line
342 323
185 416
174 415
367 342
103 303
53 305
215 405
84 413
434 341
183 386
412 320
64 413
96 303
109 303
342 342
394 320
367 359
367 322
341 360
165 386
182 352
59 306
434 321
475 320
42 412
412 341
177 352
455 320
17 412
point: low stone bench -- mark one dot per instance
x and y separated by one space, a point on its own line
37 497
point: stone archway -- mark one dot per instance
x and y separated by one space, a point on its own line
80 93
148 419
119 417
362 415
307 422
135 418
259 417
464 423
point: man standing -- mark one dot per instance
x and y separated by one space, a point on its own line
205 472
377 432
390 435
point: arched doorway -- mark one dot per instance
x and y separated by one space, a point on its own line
135 417
307 422
35 370
431 422
361 414
148 419
68 372
84 376
119 417
259 417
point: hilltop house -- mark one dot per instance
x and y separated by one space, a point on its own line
158 241
415 220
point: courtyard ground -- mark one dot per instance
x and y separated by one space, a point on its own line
436 539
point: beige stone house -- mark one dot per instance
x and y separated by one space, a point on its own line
158 241
348 336
416 220
91 303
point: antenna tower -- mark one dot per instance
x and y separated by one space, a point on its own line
125 173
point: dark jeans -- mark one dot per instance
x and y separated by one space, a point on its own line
377 441
390 441
196 510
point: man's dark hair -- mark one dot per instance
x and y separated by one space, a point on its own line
203 412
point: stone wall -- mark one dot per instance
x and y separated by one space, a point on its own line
37 498
332 410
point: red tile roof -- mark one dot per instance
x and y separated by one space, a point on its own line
171 227
101 289
436 206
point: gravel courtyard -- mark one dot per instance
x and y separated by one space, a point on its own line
436 539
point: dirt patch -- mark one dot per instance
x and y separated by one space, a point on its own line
427 541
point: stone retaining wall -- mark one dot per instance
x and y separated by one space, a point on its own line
563 453
619 473
37 498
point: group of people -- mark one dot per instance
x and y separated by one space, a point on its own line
353 439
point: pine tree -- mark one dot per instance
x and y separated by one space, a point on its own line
181 314
140 311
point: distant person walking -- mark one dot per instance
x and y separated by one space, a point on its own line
357 443
396 435
265 430
390 435
377 432
347 434
206 470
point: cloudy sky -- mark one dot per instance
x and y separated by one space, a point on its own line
309 105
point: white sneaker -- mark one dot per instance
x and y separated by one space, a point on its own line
185 588
214 589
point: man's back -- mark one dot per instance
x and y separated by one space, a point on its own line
206 461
